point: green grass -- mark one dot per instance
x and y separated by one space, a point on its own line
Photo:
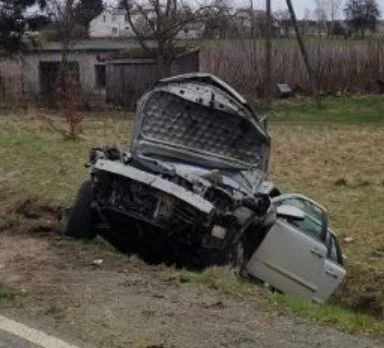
341 318
225 282
7 295
334 110
37 161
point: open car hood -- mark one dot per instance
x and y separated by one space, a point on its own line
197 118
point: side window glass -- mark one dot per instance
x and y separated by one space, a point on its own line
308 226
306 206
311 224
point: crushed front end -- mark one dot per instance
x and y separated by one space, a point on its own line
189 186
193 219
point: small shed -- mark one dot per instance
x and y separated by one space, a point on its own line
130 74
42 65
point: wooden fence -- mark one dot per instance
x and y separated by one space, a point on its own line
11 84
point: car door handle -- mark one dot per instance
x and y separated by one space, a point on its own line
331 274
317 253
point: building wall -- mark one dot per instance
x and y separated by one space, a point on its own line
110 24
86 62
185 64
128 80
193 30
11 83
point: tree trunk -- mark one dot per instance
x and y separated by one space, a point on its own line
163 59
163 66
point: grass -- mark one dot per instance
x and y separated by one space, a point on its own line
37 161
7 294
331 154
365 110
341 318
225 282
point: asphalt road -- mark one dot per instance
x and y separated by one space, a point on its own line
17 335
9 341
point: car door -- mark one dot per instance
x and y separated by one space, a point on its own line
333 272
292 255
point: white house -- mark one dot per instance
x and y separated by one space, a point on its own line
110 23
114 23
192 30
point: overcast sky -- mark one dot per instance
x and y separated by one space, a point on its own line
299 5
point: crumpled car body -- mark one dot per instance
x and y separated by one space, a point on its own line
192 189
190 181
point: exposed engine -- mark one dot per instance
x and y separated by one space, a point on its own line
232 212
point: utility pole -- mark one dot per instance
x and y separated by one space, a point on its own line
253 40
268 56
304 53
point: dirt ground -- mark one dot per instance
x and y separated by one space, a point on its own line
93 296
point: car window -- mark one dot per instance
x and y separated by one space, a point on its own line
306 206
312 223
308 226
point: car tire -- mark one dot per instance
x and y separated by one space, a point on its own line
81 218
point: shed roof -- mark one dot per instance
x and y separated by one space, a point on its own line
139 54
90 45
119 49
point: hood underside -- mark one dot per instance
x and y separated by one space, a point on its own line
199 119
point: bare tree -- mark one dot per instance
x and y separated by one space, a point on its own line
306 22
218 20
333 8
326 12
321 16
165 20
362 15
284 19
63 14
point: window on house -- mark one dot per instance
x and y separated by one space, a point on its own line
104 18
113 18
100 76
114 30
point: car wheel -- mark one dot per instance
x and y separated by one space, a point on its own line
82 216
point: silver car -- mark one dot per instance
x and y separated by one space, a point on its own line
192 189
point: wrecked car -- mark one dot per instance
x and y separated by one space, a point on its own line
192 190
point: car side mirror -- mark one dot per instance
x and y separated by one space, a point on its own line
290 212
